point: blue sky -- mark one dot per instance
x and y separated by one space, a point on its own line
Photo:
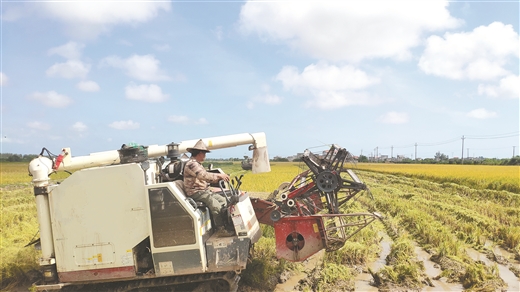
367 75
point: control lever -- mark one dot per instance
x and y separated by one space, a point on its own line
233 197
222 185
239 181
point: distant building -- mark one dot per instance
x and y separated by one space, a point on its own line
400 158
294 157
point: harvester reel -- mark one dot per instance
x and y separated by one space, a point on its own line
327 181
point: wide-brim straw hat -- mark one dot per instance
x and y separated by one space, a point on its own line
199 146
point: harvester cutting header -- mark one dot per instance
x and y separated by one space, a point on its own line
124 220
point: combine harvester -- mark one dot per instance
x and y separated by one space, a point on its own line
122 222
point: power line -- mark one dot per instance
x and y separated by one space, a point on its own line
439 143
423 144
496 148
497 136
452 140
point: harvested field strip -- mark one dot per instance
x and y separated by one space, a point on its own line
403 268
441 226
488 217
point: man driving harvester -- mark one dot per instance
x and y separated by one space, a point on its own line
197 186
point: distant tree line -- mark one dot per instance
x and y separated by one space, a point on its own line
443 159
439 158
10 157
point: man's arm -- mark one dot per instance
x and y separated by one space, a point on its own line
196 169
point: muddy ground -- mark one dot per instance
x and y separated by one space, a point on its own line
508 267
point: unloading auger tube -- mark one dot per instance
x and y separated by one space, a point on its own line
41 167
65 161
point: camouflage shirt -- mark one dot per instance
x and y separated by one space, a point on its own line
196 178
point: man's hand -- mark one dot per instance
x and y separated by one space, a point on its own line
223 176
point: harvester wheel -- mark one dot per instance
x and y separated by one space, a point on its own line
275 215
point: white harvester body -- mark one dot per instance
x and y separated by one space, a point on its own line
121 222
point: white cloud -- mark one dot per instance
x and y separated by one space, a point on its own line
70 69
481 113
347 30
79 127
70 50
269 99
148 93
330 86
4 80
87 19
323 76
178 119
51 99
330 100
394 118
124 125
478 55
201 121
144 68
509 87
184 120
87 85
39 126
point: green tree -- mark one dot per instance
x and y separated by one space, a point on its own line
14 158
440 157
514 161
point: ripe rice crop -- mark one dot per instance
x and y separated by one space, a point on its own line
270 181
493 177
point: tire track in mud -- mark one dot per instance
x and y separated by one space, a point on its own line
503 268
292 281
364 280
432 270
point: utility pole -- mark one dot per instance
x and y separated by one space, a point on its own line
392 152
415 150
513 151
462 162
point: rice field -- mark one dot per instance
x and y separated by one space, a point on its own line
445 211
493 177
